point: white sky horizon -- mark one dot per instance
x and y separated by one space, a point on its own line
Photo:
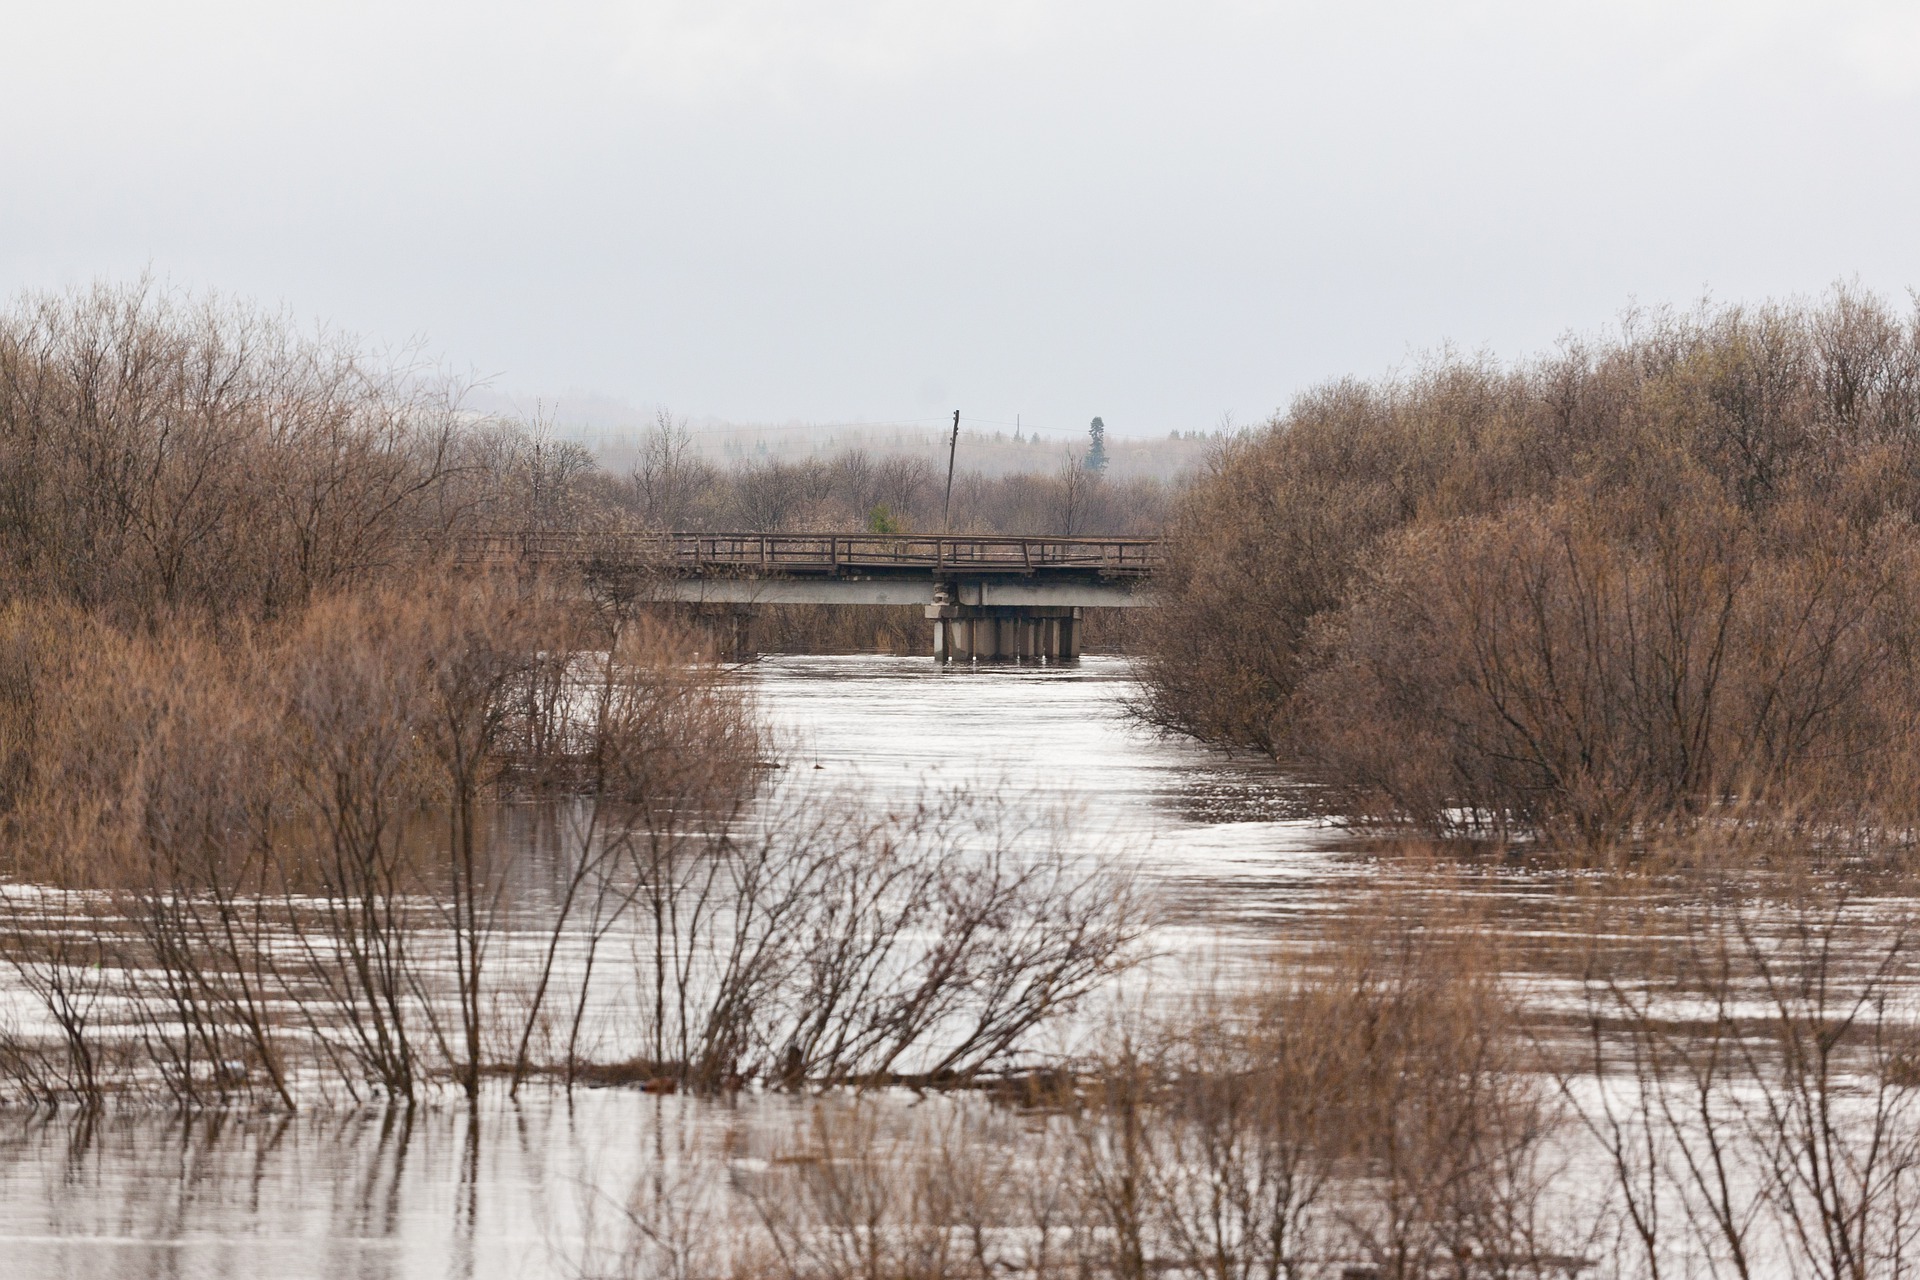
768 211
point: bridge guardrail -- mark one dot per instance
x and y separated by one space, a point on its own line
824 553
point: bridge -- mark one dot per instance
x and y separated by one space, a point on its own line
989 598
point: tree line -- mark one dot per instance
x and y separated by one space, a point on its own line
1636 579
672 487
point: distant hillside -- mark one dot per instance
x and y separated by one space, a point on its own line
615 432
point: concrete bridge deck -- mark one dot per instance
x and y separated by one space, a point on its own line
988 596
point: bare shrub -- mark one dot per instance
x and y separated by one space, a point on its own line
1627 582
1375 1106
1577 668
1269 536
1747 1070
1369 1107
292 837
161 453
297 825
847 946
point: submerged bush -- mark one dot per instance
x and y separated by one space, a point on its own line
1571 664
1622 583
290 854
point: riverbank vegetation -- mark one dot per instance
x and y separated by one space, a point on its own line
1726 1088
1632 581
300 810
296 803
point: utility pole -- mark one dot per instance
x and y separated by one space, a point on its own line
953 446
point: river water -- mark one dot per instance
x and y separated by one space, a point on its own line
512 1192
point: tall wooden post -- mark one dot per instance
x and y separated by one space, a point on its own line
953 445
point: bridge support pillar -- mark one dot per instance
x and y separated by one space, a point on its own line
1004 633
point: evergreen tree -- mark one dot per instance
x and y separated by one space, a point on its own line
1097 452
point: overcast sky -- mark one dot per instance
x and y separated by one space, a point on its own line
847 211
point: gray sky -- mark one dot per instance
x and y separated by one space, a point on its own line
861 211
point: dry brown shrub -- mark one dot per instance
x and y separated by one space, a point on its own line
1373 1103
1629 581
1371 1106
162 453
295 824
306 836
1584 666
1741 1056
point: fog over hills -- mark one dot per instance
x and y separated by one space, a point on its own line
616 431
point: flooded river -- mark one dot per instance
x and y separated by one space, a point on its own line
514 1192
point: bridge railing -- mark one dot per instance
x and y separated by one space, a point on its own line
823 553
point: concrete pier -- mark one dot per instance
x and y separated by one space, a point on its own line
1004 633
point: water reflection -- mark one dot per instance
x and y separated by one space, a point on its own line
505 1191
512 1190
